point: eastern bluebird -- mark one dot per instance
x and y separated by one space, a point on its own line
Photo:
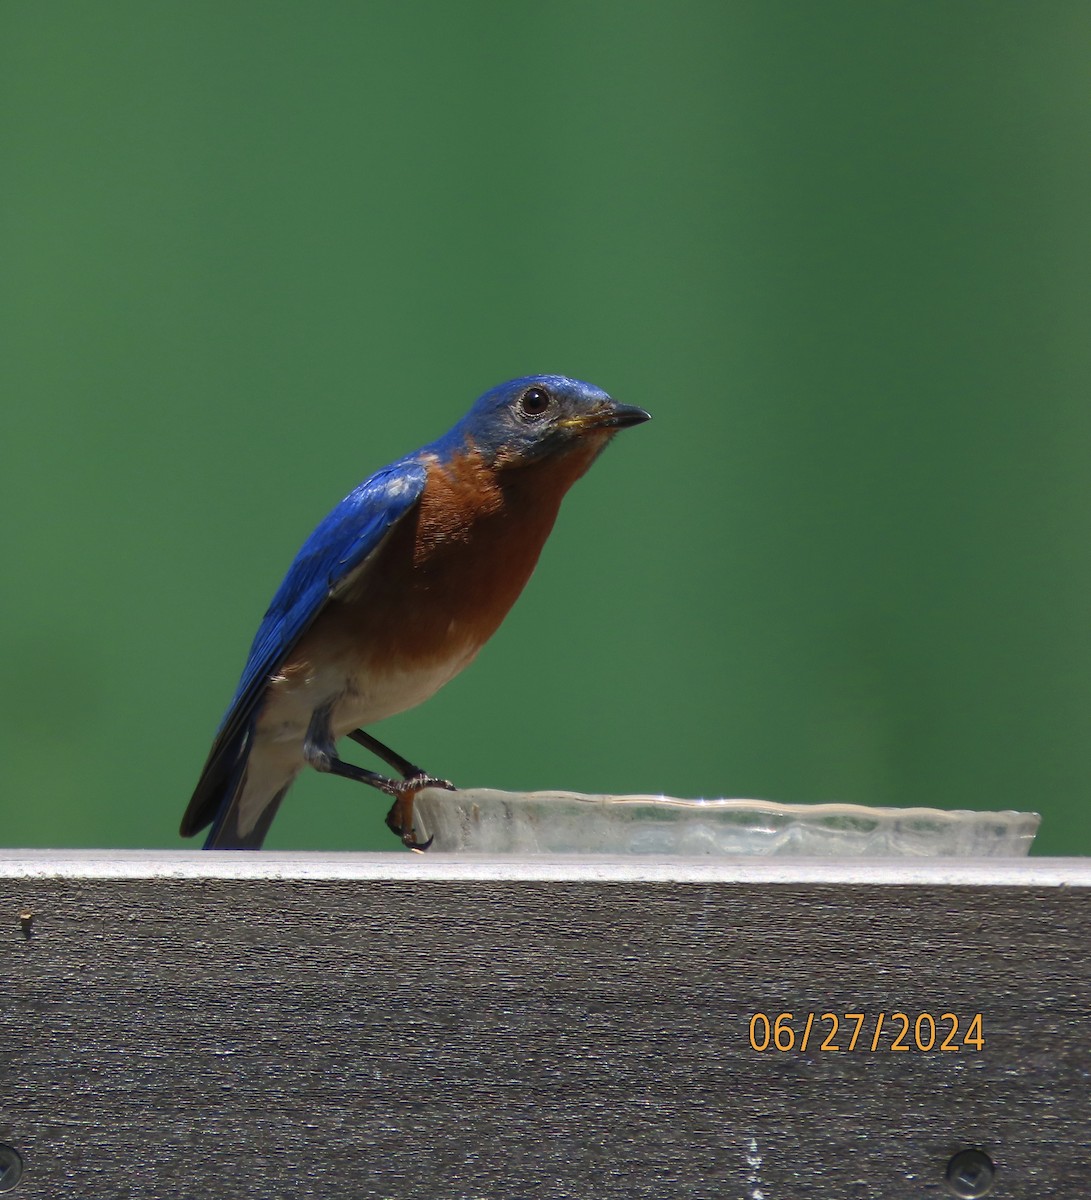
392 595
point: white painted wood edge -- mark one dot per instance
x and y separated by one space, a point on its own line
405 867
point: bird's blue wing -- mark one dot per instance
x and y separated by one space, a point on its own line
340 544
342 541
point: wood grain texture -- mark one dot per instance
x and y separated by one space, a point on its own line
393 1026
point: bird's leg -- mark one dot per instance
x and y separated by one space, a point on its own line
400 817
320 752
392 758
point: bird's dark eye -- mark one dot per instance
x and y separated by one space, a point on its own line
534 401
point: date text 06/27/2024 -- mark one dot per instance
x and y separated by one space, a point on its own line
857 1031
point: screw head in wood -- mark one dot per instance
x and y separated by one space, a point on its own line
970 1174
11 1167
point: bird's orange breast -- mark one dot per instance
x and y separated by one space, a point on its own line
439 586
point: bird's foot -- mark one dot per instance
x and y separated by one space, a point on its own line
400 818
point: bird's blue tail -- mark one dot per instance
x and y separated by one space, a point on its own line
230 791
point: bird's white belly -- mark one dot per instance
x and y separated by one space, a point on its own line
356 698
366 698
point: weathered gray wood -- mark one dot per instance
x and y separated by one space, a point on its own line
264 1025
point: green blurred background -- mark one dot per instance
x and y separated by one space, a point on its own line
842 251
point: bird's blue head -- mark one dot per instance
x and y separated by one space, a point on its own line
539 416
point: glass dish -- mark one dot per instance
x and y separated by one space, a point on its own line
484 821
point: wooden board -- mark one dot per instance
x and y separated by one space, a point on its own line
264 1025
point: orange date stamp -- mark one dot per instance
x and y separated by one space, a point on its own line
873 1033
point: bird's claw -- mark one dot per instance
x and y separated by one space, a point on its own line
400 818
420 782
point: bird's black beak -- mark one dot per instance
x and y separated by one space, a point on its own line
623 415
609 416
